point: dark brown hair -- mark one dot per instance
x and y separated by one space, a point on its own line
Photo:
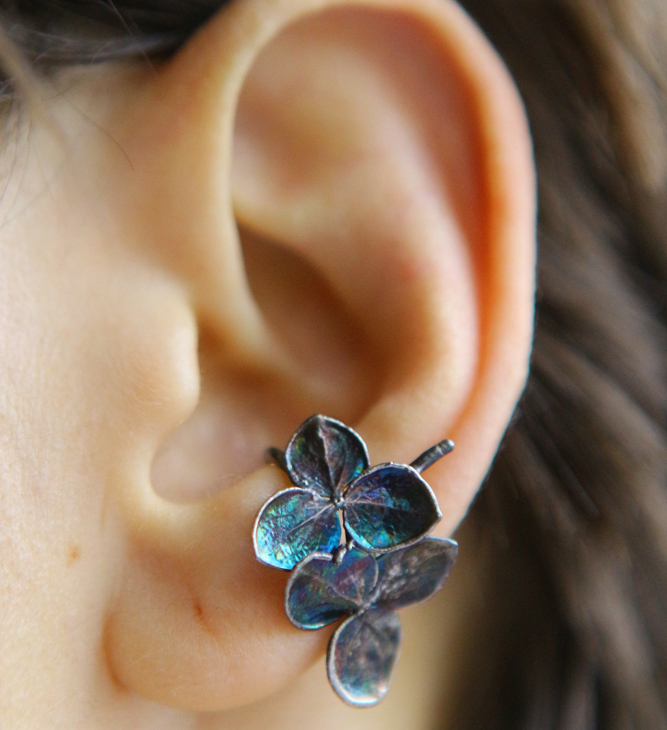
572 521
577 556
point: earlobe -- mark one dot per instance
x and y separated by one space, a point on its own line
376 161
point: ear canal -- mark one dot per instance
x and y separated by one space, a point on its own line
371 153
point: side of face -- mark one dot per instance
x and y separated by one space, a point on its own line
312 207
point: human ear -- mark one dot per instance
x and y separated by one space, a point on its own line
372 163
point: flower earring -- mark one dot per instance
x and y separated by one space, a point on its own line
355 538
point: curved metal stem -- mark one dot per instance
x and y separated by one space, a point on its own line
430 456
278 457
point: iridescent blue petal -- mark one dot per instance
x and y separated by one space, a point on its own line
321 591
324 455
361 656
414 573
388 506
293 524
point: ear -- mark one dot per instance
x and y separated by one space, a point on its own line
341 198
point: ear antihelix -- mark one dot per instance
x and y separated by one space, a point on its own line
337 158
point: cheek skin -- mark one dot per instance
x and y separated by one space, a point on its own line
98 363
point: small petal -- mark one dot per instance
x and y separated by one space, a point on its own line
320 591
388 506
414 573
293 524
324 455
361 656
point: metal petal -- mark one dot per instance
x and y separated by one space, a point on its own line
324 455
414 573
320 591
388 506
361 656
293 524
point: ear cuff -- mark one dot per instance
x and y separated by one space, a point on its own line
355 539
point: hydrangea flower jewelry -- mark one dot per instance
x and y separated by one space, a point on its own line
355 537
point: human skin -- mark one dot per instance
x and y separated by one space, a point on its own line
372 164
